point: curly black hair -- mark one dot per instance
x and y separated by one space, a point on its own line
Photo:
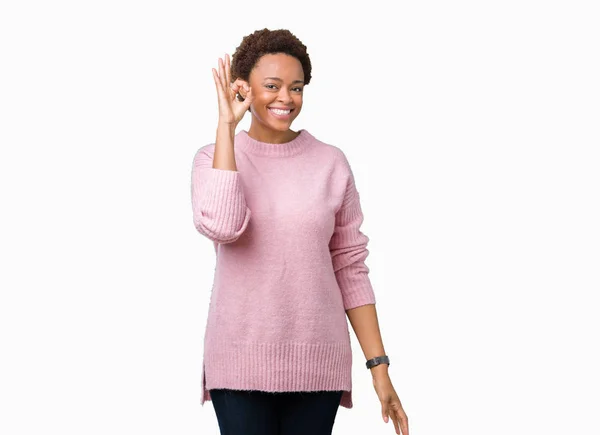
266 41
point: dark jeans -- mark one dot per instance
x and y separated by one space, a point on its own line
264 413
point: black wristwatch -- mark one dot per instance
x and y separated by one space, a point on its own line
378 360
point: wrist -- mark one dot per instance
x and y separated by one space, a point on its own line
226 126
379 370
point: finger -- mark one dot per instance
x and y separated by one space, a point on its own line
242 84
222 74
224 92
235 87
218 84
220 92
404 427
404 424
227 68
249 98
396 423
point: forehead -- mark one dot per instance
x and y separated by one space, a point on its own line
287 67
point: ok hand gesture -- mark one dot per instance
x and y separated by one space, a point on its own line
231 110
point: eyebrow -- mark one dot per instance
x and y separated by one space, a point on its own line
279 80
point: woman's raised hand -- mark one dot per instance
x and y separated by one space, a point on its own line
231 110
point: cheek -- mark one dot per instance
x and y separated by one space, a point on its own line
262 99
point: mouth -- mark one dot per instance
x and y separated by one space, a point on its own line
280 114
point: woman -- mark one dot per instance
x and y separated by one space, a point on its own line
284 214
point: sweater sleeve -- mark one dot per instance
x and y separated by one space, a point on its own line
218 202
348 247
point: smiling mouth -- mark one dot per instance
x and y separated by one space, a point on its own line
280 111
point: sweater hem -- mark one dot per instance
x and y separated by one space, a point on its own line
278 367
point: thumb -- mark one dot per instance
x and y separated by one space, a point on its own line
384 415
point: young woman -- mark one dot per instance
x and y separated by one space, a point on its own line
284 214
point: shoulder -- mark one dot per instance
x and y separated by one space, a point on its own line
205 152
333 153
206 149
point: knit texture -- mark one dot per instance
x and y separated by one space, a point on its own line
290 260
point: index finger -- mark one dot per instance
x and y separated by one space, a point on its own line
241 84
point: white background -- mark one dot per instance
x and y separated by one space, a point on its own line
473 131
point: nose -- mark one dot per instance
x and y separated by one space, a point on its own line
285 96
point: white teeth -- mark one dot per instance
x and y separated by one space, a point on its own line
280 112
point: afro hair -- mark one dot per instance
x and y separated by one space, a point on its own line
263 42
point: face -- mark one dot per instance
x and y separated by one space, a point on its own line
277 82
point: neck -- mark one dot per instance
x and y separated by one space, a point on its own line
265 134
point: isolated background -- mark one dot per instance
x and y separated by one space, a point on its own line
473 131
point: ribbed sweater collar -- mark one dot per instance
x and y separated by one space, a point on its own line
286 149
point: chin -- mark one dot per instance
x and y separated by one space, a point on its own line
281 127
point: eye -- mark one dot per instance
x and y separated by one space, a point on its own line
267 86
299 89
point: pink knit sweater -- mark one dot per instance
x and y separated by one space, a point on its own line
289 263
